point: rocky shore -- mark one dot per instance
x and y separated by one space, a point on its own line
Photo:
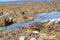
24 12
35 31
45 30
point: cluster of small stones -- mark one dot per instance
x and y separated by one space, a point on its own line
24 12
35 31
34 7
7 19
22 17
49 30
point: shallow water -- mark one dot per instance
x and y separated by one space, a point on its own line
23 1
39 18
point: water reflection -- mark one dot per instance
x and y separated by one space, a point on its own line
39 18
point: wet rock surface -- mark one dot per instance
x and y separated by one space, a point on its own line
35 31
9 19
24 12
5 21
48 30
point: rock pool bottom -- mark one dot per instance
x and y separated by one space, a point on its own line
39 18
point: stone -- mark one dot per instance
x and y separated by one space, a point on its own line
33 39
22 38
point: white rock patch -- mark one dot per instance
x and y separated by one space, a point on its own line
52 21
33 39
35 32
57 20
22 38
44 21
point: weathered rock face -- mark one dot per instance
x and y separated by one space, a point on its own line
10 19
5 21
22 17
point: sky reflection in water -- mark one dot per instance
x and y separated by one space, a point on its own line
46 16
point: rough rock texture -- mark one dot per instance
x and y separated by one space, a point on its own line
35 31
14 18
24 12
34 7
5 21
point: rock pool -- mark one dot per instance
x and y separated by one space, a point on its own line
39 17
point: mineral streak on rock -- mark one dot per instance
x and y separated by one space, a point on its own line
22 38
52 21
